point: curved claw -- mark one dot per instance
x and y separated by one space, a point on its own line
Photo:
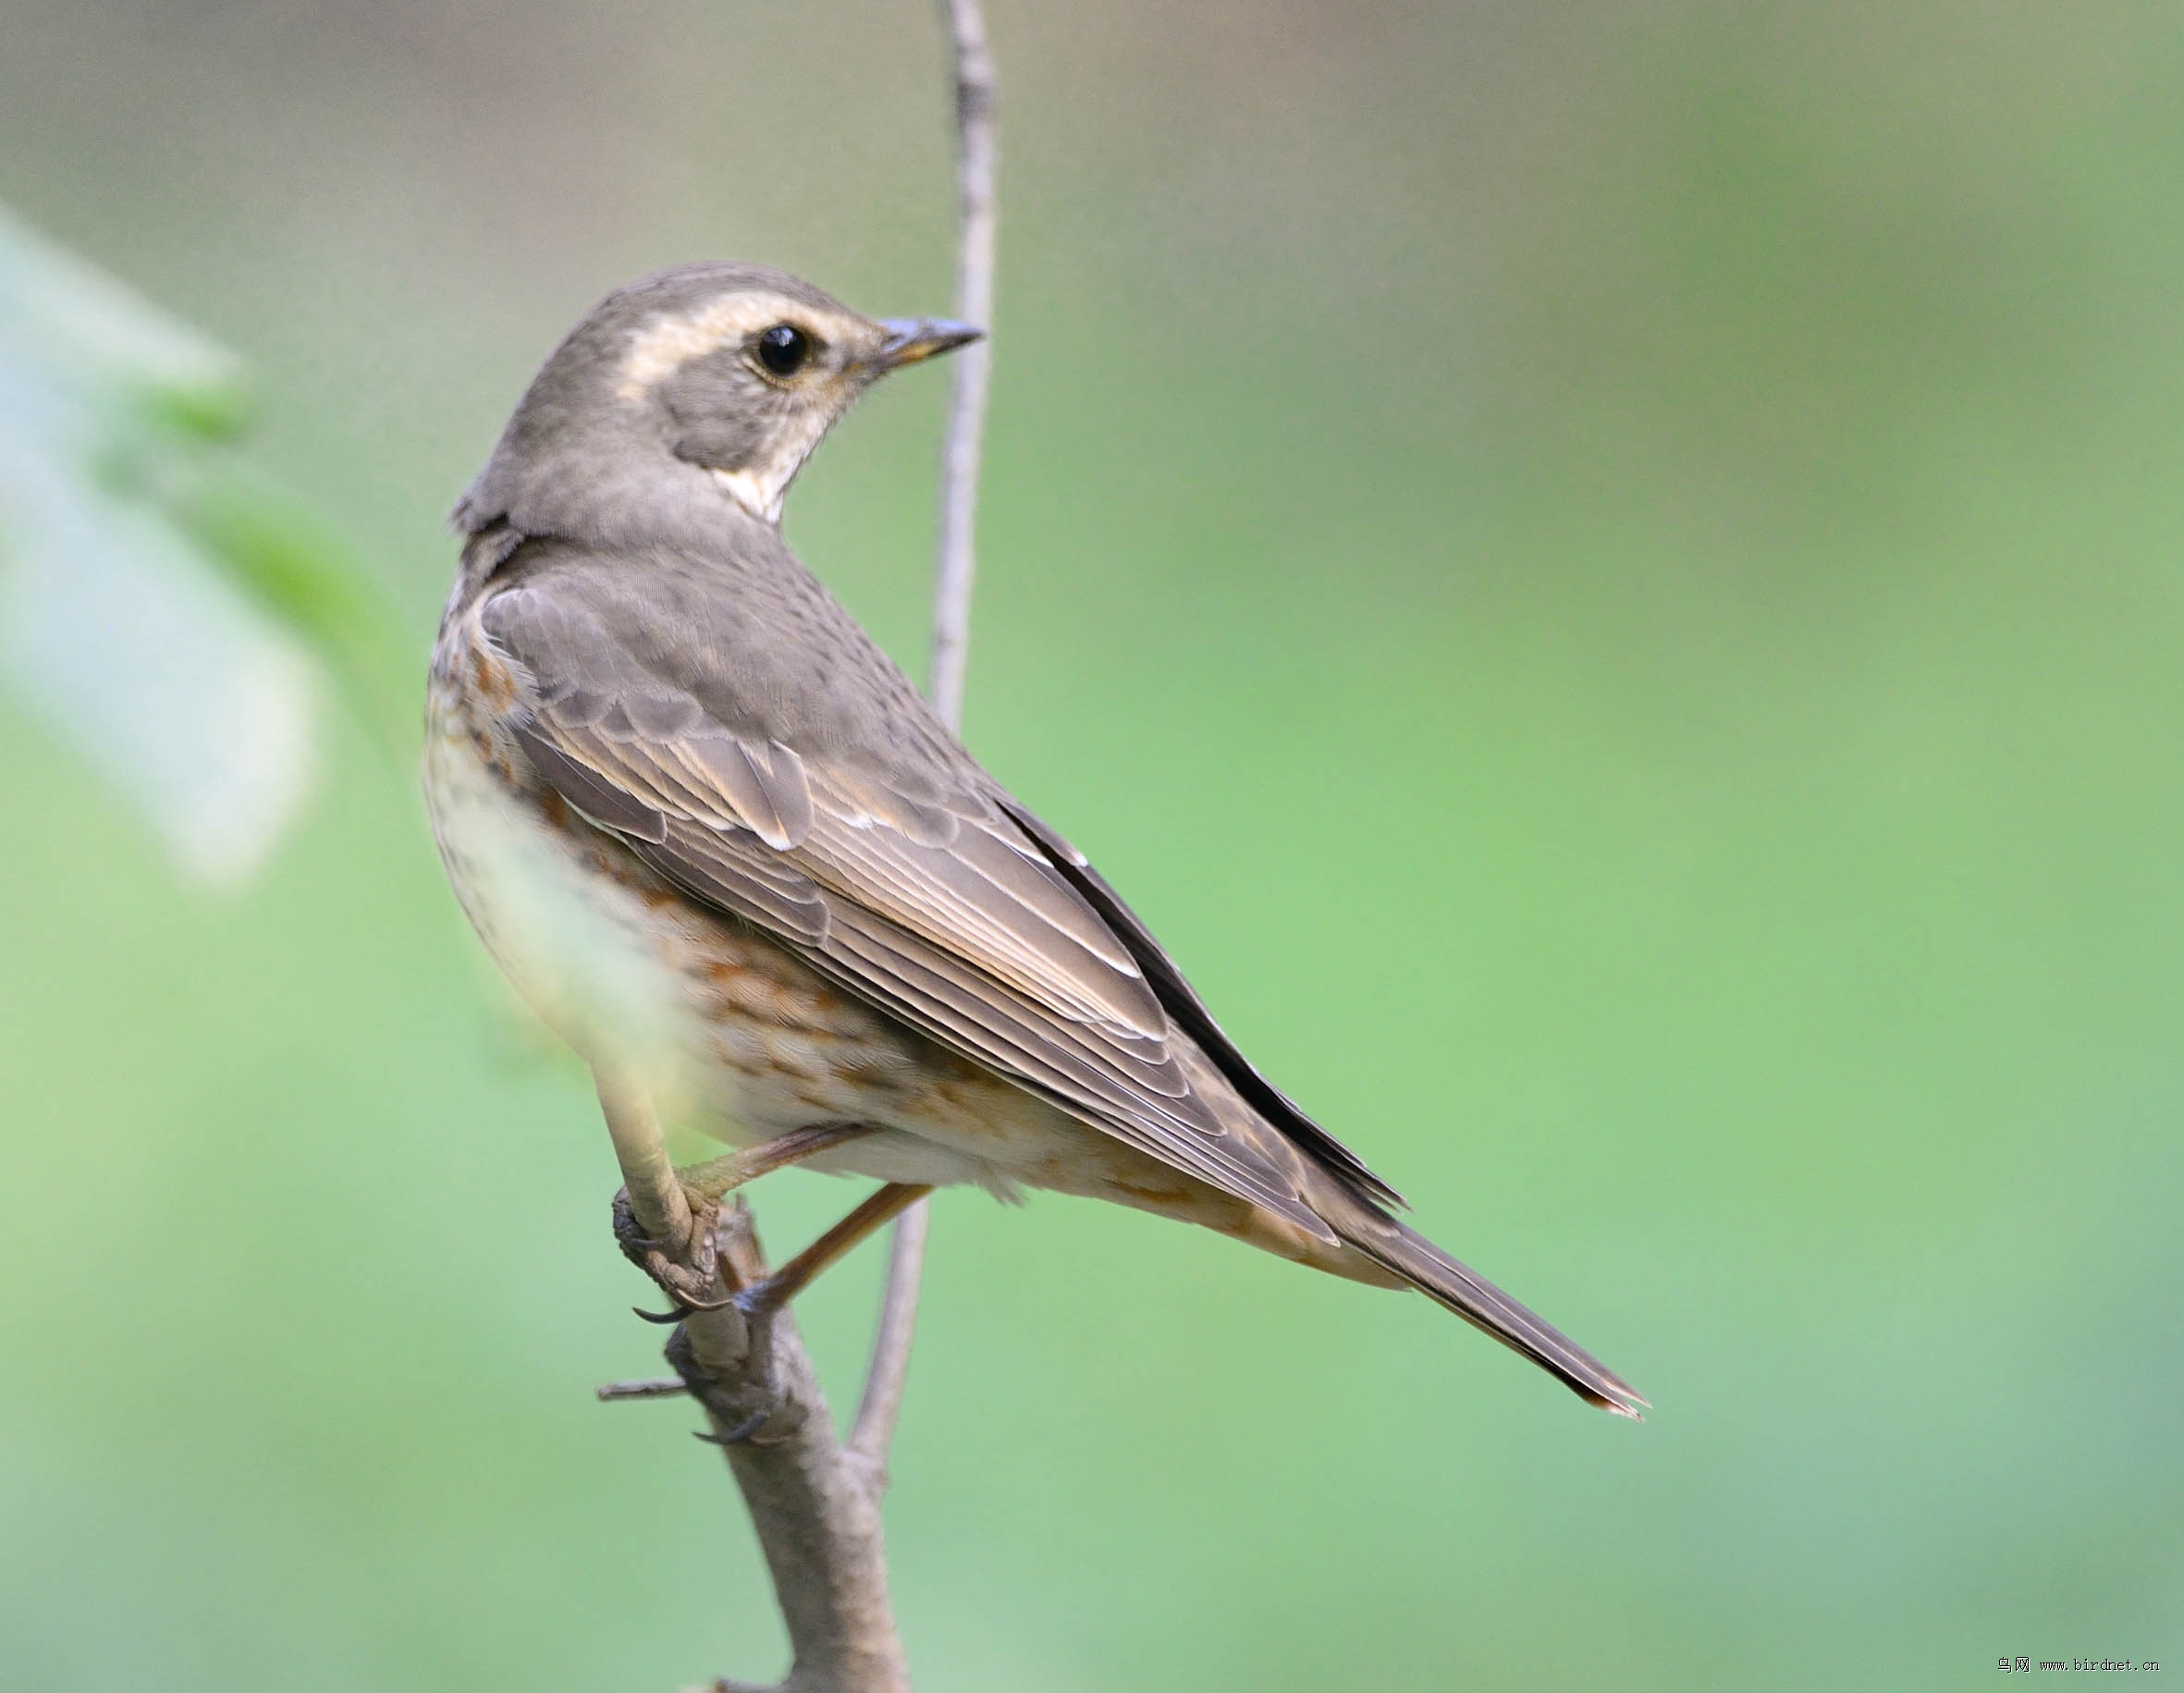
683 1308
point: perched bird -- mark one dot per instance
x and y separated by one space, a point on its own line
726 850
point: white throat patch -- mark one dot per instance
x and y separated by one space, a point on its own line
750 494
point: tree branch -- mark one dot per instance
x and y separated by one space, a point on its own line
957 568
815 1507
817 1511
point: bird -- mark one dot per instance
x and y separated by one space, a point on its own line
725 849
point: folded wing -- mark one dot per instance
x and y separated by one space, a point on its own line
968 922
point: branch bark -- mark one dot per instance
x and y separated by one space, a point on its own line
815 1508
815 1500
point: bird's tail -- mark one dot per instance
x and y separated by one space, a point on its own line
1485 1307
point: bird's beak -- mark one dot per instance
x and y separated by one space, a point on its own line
913 340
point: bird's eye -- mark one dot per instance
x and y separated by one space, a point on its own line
783 348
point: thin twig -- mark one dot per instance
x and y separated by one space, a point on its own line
882 1403
956 570
973 304
612 1392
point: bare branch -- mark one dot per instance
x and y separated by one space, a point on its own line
816 1511
973 304
814 1507
882 1403
952 619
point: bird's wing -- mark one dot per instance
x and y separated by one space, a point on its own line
941 907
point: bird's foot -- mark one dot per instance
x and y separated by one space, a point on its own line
689 1286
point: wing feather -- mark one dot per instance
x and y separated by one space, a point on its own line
921 894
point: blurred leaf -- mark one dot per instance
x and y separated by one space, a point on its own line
127 529
298 568
69 324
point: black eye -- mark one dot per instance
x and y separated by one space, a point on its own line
783 348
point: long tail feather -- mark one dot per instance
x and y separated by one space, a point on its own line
1486 1308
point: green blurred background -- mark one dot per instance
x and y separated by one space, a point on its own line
1607 575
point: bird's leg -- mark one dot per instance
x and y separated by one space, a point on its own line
652 1203
762 1301
710 1183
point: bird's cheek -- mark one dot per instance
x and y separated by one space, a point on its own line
718 441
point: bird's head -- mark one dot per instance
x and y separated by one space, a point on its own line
730 373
